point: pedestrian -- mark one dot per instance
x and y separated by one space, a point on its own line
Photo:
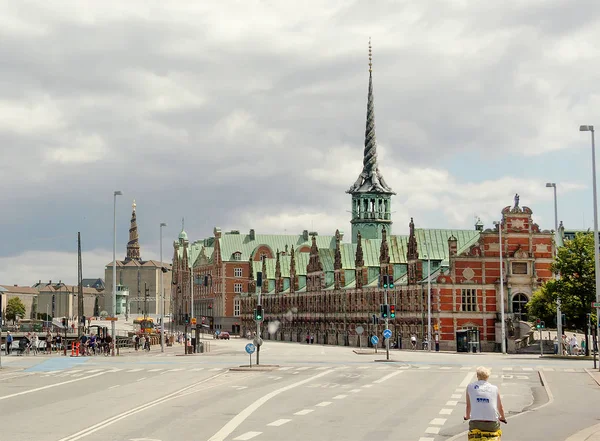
484 407
437 342
9 342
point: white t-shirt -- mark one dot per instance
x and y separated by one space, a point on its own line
484 401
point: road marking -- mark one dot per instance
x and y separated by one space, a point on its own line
115 370
355 390
215 369
272 377
303 368
304 411
466 368
387 377
172 370
339 397
546 369
157 370
383 368
194 370
93 371
507 376
323 403
523 377
432 430
467 379
446 411
507 369
229 427
77 375
123 415
426 439
25 392
278 423
140 379
451 403
445 368
456 396
459 390
136 370
246 436
322 368
363 367
366 385
112 387
438 421
424 367
287 368
527 369
569 370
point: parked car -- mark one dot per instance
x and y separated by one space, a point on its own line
224 335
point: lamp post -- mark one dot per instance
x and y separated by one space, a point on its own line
596 245
503 324
428 297
162 294
556 233
114 273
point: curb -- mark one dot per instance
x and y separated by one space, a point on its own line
585 434
259 368
591 374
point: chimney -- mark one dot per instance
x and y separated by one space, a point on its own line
252 234
452 246
305 235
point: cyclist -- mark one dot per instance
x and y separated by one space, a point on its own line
484 408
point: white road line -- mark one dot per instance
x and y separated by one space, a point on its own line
523 377
115 370
195 369
367 385
244 414
135 370
246 436
387 377
215 369
459 390
446 411
323 404
467 379
93 371
303 368
438 422
339 397
157 370
455 396
112 387
171 370
140 379
451 403
526 369
448 367
466 368
507 369
548 369
278 423
426 439
322 368
25 392
286 368
341 368
304 411
354 390
432 430
77 375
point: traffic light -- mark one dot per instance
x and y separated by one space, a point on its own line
564 319
258 313
187 319
538 323
384 309
64 322
259 278
375 319
390 282
392 311
387 281
542 325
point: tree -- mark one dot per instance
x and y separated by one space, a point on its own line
15 308
576 285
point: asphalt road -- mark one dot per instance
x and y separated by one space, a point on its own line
314 393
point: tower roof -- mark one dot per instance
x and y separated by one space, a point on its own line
133 246
370 179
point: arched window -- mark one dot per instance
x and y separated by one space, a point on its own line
518 306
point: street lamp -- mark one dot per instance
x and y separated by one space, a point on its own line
502 325
556 234
428 297
596 245
162 294
114 272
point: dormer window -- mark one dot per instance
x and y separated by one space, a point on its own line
237 256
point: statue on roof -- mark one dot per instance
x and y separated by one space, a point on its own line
517 201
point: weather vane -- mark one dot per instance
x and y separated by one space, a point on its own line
370 56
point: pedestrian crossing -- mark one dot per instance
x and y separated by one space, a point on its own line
307 369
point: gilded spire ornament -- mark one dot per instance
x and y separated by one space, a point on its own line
133 245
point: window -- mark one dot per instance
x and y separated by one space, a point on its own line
519 267
263 256
237 288
469 300
236 307
237 272
237 256
518 305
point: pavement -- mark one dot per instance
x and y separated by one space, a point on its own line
309 392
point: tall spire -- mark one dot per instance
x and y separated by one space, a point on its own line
133 246
370 179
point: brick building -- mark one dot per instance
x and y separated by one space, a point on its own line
323 286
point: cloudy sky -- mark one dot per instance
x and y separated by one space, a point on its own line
250 114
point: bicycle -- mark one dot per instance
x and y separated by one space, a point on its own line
482 435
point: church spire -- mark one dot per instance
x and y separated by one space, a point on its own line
370 179
133 246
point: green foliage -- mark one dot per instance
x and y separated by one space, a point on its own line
576 285
14 308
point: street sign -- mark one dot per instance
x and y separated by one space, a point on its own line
595 304
218 332
258 341
112 319
194 320
387 333
360 330
250 348
374 340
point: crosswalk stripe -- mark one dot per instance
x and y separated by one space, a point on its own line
155 370
303 368
286 368
446 367
197 369
135 370
322 368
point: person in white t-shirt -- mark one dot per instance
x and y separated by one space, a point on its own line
484 406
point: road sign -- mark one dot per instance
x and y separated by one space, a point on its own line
112 319
194 320
218 332
595 304
387 333
250 348
360 330
374 340
258 341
